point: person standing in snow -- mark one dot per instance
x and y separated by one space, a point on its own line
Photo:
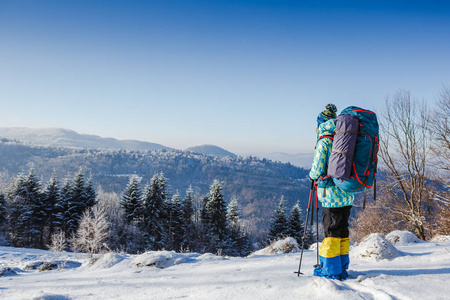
336 203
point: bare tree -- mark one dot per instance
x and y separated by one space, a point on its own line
58 241
92 232
439 126
405 150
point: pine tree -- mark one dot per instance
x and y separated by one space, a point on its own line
91 196
28 212
2 209
217 212
201 234
233 213
15 225
131 200
63 207
188 207
175 231
295 229
279 225
188 219
76 203
79 196
52 207
154 211
239 241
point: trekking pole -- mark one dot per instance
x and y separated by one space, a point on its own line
317 230
306 227
312 206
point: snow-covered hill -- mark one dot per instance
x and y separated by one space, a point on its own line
303 160
70 138
211 150
414 271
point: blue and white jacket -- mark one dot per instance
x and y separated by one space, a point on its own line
333 196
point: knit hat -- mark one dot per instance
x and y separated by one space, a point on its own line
327 114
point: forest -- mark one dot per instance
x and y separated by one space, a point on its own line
257 184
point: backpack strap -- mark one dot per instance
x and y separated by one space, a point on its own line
326 137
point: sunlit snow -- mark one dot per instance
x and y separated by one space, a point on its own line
416 270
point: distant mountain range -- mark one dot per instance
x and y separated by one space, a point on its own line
69 138
59 137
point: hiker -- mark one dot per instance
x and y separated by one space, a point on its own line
336 203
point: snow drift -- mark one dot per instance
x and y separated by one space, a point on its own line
161 259
375 247
288 245
106 261
402 238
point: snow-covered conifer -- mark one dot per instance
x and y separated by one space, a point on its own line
279 225
295 225
154 211
2 209
51 200
80 198
175 230
64 205
217 213
190 224
29 213
239 241
131 200
89 191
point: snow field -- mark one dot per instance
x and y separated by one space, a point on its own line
417 271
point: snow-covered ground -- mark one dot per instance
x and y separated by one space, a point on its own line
409 270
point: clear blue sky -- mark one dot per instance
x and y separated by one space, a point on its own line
243 75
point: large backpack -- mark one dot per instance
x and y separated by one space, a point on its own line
353 160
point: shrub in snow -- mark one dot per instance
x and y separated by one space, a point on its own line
46 266
402 238
375 247
7 271
160 259
288 245
33 265
41 266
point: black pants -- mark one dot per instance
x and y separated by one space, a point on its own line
335 221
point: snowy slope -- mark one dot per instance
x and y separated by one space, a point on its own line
417 271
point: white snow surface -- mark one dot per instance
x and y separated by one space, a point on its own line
417 271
